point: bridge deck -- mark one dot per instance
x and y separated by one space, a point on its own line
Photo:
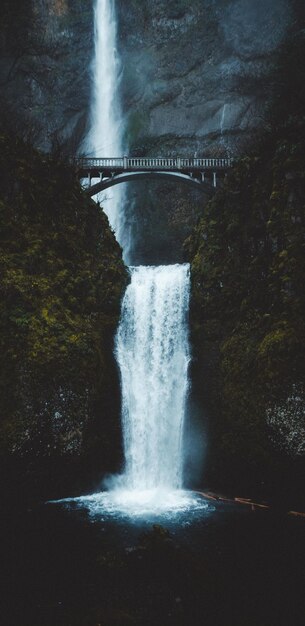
153 164
201 173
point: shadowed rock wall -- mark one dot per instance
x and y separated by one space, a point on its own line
46 49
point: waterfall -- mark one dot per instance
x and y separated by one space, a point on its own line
153 354
152 340
222 120
152 347
105 138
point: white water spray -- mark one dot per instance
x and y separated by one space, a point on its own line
153 354
105 138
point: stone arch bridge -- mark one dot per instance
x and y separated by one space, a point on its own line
101 173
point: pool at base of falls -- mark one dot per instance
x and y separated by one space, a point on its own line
154 504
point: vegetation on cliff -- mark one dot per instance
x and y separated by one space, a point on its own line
62 279
248 306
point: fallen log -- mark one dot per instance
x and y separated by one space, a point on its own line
245 501
296 513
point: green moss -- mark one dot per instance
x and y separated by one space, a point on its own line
62 279
248 299
137 125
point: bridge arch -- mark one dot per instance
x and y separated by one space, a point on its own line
199 173
205 187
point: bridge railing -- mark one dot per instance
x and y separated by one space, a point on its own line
160 163
89 163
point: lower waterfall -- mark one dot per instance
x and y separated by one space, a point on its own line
153 354
152 351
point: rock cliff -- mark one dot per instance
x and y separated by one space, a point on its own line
195 80
61 283
46 50
195 75
247 311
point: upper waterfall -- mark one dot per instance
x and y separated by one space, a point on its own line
106 134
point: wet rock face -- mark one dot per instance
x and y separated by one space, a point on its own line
195 81
195 75
45 70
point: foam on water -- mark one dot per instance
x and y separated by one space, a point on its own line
155 504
